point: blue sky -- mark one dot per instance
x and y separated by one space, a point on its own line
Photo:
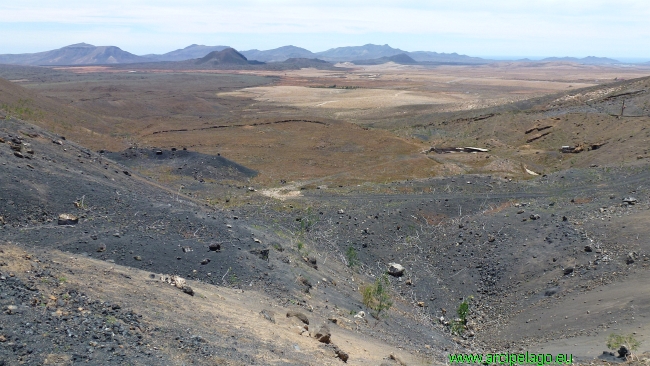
474 27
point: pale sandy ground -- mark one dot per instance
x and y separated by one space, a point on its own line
451 87
213 312
632 297
306 97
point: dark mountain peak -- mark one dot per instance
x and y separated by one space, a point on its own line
402 58
226 56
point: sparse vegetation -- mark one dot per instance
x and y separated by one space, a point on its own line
352 257
377 296
616 341
459 325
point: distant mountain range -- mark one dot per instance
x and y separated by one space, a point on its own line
76 54
369 54
589 60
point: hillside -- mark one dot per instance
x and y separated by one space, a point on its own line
278 54
187 53
365 52
76 54
63 119
427 56
401 58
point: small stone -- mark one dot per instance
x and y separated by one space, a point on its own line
322 334
268 315
215 247
630 200
101 248
68 219
137 258
205 261
395 269
302 317
3 338
342 355
588 248
11 309
18 154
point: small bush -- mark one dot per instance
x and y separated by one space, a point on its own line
351 256
458 326
615 341
377 296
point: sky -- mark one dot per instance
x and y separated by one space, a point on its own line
496 28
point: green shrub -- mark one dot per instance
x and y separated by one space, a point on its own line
615 341
458 326
377 296
351 256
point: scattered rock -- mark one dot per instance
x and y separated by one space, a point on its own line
205 261
631 257
568 271
322 333
215 247
551 291
68 219
302 317
588 248
178 282
137 258
18 154
311 261
360 315
11 309
58 142
126 172
101 248
534 217
395 269
342 355
630 200
623 352
396 359
261 253
268 315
